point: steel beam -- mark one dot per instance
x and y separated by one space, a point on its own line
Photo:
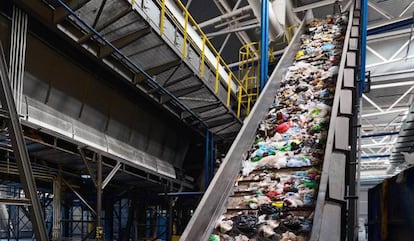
111 174
98 15
88 168
181 92
202 109
139 78
316 4
391 85
106 50
220 122
99 229
379 10
60 13
57 209
390 25
178 80
80 197
15 201
384 113
105 25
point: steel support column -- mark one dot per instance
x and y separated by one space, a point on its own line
170 214
264 48
57 209
206 161
99 229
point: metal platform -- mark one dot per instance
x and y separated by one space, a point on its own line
160 51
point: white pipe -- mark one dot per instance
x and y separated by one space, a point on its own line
225 16
384 113
291 17
275 28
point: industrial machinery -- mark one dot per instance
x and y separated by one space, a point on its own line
333 210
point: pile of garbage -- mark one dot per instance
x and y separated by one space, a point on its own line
279 180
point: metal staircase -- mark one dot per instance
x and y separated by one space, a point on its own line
14 135
158 48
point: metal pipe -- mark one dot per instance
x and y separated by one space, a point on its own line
363 51
225 16
375 156
264 39
380 134
232 30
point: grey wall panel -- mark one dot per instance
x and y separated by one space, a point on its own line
64 103
119 130
41 115
337 174
342 133
345 102
92 117
93 108
35 88
331 223
90 136
349 77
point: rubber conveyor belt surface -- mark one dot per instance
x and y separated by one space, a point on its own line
274 195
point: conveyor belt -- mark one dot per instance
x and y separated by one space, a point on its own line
282 148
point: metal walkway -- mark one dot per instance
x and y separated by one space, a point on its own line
158 47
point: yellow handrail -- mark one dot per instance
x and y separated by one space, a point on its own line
203 56
229 88
216 83
185 35
162 18
206 43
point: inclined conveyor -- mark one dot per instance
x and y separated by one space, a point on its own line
231 193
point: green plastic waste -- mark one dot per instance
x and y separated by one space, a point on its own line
214 237
255 159
285 148
316 128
